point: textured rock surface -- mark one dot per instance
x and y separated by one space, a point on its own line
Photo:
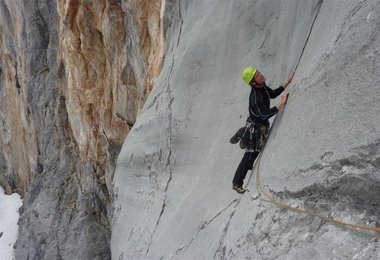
173 196
73 76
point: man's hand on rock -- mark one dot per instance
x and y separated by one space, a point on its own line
282 101
288 80
284 98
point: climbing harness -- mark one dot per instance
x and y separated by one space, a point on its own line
271 199
254 136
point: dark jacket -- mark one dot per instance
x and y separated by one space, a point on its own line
259 103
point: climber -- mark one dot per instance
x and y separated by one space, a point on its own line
254 134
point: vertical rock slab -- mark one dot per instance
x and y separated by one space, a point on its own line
19 153
173 196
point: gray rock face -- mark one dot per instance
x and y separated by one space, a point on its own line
173 196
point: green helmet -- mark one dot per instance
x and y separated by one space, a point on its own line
248 74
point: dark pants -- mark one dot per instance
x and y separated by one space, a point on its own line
245 165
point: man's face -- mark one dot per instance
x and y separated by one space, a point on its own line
259 78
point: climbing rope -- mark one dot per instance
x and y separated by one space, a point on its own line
271 199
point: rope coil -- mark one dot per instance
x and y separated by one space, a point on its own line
281 204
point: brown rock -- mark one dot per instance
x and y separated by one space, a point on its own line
73 76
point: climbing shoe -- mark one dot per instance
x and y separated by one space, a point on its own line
235 139
238 188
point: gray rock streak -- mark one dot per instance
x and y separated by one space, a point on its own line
206 223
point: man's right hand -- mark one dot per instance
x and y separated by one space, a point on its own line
284 98
282 101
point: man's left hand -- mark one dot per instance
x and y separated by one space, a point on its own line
288 80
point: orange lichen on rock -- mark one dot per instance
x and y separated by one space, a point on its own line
101 104
149 18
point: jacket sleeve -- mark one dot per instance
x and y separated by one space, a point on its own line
274 93
258 109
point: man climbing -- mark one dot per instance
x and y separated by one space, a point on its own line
254 134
